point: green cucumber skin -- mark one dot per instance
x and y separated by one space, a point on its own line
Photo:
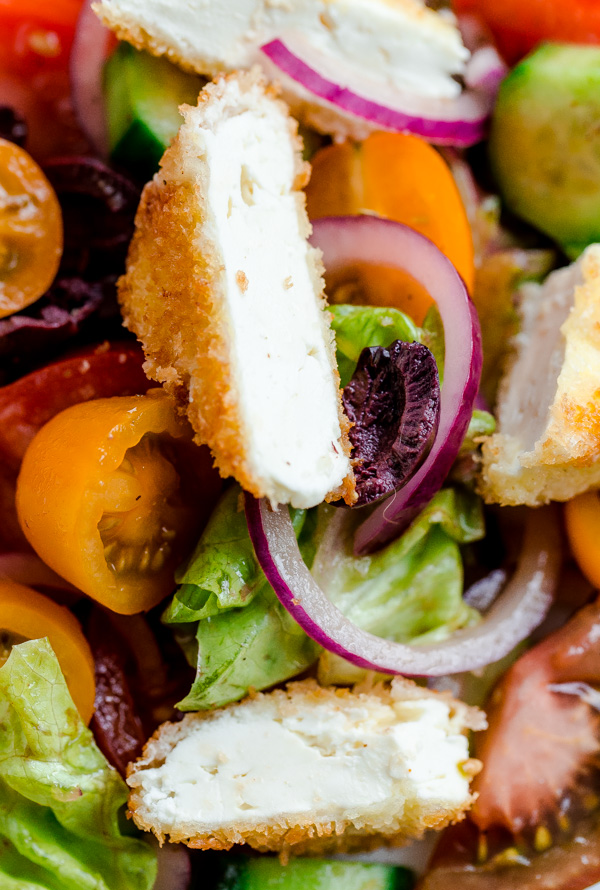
266 873
545 143
142 95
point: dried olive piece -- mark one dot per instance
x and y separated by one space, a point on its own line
393 402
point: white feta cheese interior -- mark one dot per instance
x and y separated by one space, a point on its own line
286 759
400 42
279 338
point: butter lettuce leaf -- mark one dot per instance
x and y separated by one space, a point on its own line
253 647
61 803
222 573
410 590
357 327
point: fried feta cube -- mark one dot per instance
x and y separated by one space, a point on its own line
402 44
226 295
308 769
547 445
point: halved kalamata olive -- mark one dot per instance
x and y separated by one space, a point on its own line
98 207
393 402
72 310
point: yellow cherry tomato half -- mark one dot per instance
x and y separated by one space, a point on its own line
112 494
400 177
26 614
31 232
582 522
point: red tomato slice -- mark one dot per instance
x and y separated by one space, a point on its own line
538 745
36 35
573 864
519 25
539 741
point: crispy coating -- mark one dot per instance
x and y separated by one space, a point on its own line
563 459
401 817
172 293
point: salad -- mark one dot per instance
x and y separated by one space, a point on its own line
299 449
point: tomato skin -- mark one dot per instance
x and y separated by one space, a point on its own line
32 234
539 741
573 864
105 508
29 614
400 177
28 403
519 26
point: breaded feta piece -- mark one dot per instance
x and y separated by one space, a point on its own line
226 295
308 769
547 444
400 43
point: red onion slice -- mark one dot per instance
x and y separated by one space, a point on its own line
512 617
458 121
91 46
346 240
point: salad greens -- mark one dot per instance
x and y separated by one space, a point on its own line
237 634
61 825
357 327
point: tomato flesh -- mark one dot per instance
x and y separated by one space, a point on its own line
112 494
31 234
539 741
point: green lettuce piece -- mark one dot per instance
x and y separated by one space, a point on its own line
61 825
412 589
223 572
482 423
252 647
357 327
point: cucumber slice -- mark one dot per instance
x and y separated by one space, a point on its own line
267 873
142 95
545 143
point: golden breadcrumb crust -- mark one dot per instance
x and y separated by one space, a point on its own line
311 835
565 460
171 295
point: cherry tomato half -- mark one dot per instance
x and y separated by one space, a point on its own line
403 178
582 521
112 494
28 403
26 614
31 233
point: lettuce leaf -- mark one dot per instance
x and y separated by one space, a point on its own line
60 801
359 326
410 590
222 573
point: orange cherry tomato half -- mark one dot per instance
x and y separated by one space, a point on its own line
400 177
31 233
582 521
112 494
27 615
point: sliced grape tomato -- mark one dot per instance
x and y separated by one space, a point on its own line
31 233
26 614
28 403
112 494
